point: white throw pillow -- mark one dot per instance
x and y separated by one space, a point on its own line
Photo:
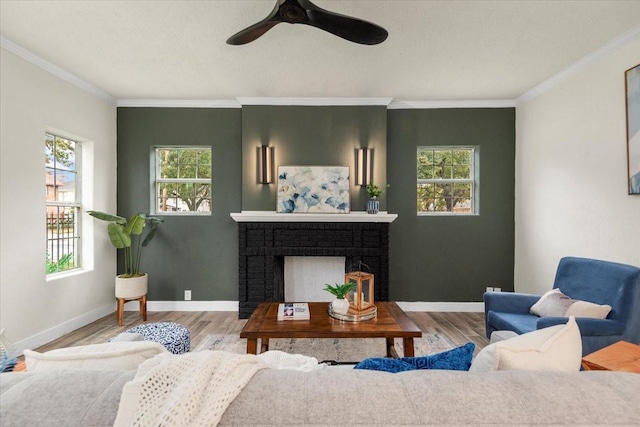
556 348
556 304
552 303
113 356
588 309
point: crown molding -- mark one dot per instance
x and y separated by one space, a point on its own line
179 103
598 54
537 90
315 101
31 57
436 104
392 105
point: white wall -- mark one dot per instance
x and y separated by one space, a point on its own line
571 173
33 310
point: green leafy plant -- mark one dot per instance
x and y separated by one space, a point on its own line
339 290
128 235
373 190
64 263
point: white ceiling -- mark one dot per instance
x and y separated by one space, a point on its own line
436 50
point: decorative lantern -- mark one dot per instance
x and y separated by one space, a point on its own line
361 297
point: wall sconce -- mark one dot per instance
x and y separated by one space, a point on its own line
363 166
265 164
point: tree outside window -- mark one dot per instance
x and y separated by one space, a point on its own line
183 180
446 180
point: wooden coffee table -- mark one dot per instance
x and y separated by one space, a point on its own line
621 356
390 323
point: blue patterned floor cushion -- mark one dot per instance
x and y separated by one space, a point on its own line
457 359
173 336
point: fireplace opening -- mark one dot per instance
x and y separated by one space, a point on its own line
305 277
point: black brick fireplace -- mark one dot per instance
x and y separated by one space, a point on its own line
263 246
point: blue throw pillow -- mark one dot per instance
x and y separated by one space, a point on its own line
457 359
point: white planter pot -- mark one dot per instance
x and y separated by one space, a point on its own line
340 306
131 287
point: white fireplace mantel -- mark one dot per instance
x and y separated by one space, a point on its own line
270 216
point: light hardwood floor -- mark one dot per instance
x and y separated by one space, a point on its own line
459 328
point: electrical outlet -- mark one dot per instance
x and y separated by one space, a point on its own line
187 295
489 289
497 289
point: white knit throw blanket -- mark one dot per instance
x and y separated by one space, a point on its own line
194 389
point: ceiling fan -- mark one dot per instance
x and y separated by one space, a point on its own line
305 12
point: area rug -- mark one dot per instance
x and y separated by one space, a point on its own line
341 350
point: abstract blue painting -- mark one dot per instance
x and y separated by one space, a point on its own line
313 189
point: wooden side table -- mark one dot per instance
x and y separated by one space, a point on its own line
621 356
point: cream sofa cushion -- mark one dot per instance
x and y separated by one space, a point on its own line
556 348
588 309
112 356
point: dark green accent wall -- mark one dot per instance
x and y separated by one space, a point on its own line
311 136
451 258
199 253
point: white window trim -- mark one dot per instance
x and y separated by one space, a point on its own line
80 170
474 181
155 180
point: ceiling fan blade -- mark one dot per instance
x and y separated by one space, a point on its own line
352 29
305 12
251 33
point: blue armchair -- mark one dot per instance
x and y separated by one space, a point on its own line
600 282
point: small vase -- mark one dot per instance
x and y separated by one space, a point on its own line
373 206
340 305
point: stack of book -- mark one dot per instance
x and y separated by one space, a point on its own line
293 311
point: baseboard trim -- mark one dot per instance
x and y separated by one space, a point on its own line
233 306
63 328
468 307
185 306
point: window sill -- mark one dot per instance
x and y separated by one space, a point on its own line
449 214
64 274
179 214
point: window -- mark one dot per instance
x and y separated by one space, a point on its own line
182 180
62 179
446 180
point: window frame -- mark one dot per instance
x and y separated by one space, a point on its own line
156 180
473 180
76 205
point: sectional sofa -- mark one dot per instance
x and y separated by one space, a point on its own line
347 397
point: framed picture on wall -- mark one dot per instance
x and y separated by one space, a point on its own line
313 189
632 85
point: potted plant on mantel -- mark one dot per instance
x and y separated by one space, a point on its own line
373 205
340 304
127 235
